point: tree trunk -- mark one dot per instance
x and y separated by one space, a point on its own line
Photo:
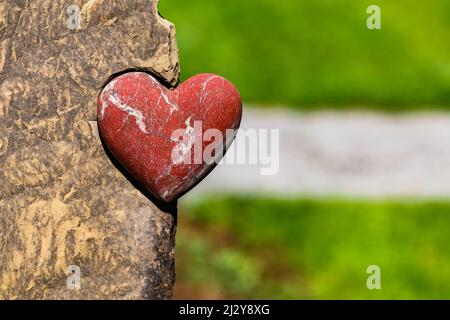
68 211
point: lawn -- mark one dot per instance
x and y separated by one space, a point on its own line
236 247
313 54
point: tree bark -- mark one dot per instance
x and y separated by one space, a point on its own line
63 200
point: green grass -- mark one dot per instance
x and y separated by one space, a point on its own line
267 248
310 54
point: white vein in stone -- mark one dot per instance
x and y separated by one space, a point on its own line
115 100
204 86
108 88
173 106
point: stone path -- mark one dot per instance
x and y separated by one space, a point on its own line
345 154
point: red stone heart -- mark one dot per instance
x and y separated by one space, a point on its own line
137 118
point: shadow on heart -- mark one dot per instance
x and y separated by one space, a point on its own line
166 207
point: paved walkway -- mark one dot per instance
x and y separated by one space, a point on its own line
348 154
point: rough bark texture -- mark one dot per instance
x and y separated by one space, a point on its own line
63 200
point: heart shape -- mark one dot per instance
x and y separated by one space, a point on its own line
160 135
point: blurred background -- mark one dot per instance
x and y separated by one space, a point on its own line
364 150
